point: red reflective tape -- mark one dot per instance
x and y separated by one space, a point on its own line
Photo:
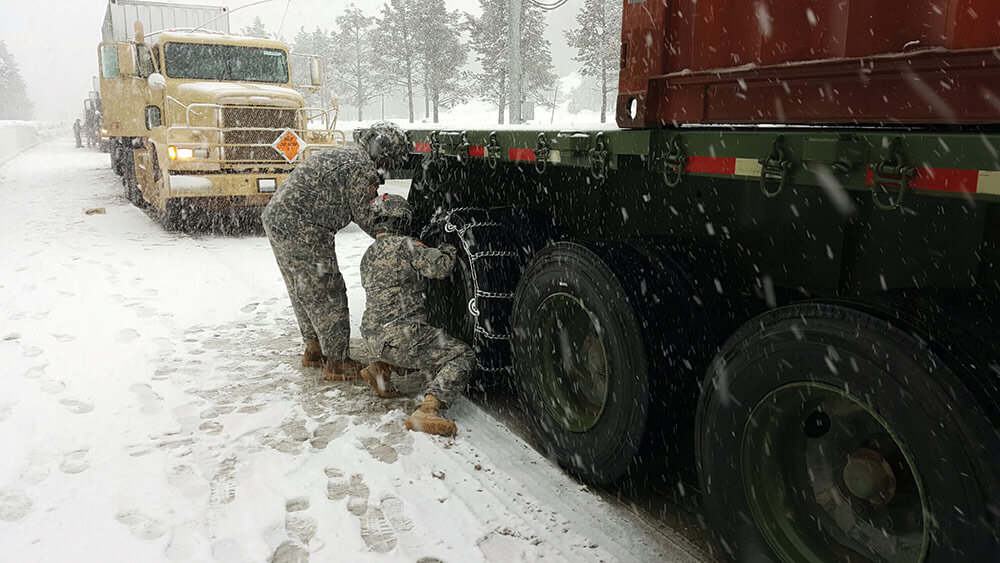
711 165
945 180
475 150
422 147
938 179
521 154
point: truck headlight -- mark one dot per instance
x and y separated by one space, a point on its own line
177 153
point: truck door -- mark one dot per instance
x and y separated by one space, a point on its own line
125 66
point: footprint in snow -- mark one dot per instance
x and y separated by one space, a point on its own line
141 526
5 410
40 315
127 335
75 462
186 478
298 524
64 337
12 336
187 542
151 292
14 504
327 432
36 371
78 407
52 386
249 307
290 552
380 526
17 316
223 486
151 402
379 449
32 351
354 489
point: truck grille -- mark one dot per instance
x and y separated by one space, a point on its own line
253 126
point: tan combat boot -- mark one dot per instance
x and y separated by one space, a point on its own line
426 419
377 375
313 356
341 370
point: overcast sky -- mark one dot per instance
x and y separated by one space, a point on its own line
55 41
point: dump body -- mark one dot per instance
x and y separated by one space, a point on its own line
809 62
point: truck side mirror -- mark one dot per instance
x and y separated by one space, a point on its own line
314 72
156 81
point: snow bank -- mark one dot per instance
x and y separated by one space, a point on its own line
16 136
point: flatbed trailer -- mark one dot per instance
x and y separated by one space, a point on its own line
805 316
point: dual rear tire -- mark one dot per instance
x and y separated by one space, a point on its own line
825 433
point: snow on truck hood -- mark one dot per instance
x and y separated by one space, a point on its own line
238 93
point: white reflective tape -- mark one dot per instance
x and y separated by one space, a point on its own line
555 156
747 167
989 182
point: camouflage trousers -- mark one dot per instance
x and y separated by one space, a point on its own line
317 290
418 345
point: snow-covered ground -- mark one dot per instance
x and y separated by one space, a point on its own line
152 407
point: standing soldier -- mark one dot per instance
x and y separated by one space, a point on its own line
394 270
77 132
322 195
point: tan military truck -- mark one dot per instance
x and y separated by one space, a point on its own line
204 125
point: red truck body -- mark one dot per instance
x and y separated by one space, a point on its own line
809 61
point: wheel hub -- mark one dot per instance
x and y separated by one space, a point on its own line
869 477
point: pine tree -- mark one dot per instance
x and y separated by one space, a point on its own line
489 39
14 100
256 29
397 64
442 54
596 40
306 45
356 68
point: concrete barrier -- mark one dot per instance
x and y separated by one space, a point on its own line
17 136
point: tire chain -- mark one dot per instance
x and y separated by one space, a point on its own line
460 230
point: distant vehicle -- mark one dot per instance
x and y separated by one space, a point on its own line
783 271
202 124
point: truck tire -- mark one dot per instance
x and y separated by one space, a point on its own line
825 433
580 361
474 304
129 182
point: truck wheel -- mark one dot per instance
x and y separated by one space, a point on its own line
129 182
475 303
580 360
116 157
828 434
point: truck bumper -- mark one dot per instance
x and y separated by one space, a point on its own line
241 190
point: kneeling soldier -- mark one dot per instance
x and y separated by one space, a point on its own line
394 326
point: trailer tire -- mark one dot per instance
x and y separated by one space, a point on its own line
572 319
825 433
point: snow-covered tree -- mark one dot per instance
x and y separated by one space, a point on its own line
597 40
442 54
256 29
398 59
587 96
489 39
14 100
356 68
319 43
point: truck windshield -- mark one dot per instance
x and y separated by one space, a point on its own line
204 61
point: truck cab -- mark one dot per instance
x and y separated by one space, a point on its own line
205 122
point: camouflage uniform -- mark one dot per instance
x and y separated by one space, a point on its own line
394 324
322 195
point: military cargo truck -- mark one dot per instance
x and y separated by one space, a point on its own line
204 125
782 272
